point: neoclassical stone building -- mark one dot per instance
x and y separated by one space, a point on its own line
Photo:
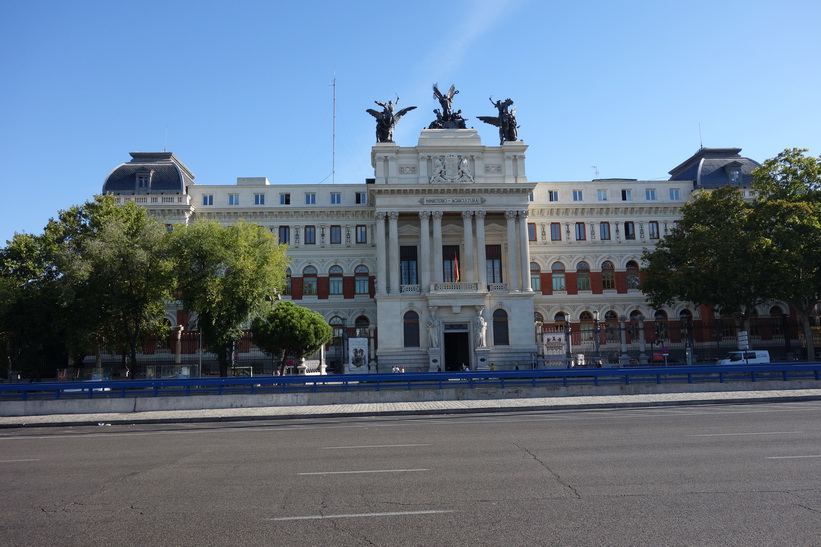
450 257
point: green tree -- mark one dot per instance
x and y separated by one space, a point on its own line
714 257
788 206
290 331
226 275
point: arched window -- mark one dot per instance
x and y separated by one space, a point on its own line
560 320
661 328
500 331
361 280
338 327
287 290
632 275
362 323
538 317
410 324
335 280
586 321
583 276
309 280
685 320
611 326
558 276
636 319
608 275
777 321
535 277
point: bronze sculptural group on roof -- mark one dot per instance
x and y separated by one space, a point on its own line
446 118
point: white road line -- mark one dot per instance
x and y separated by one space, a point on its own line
361 515
791 457
372 446
367 471
15 461
747 434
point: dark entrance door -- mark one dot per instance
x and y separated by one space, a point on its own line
457 350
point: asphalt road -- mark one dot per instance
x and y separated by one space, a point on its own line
707 475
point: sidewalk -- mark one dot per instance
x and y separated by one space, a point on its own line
413 408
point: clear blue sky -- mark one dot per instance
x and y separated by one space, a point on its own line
243 88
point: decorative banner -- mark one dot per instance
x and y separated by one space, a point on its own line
358 354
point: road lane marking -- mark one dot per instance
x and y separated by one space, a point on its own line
361 515
372 446
791 457
366 471
747 434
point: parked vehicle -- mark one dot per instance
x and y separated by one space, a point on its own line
745 357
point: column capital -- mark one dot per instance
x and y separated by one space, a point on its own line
437 215
480 214
510 214
380 215
467 214
394 215
424 215
523 213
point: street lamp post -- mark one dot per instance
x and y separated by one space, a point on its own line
596 341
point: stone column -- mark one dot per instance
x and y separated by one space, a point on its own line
393 252
467 260
524 251
625 357
512 258
481 256
424 260
381 277
437 247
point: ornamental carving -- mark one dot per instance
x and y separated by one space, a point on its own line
451 168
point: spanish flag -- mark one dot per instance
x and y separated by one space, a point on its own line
456 267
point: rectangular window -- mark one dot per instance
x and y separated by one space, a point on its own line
675 194
629 230
309 286
361 284
553 195
208 199
604 231
493 263
285 199
259 199
578 195
555 231
336 198
310 235
650 194
335 285
233 199
361 198
531 231
557 279
602 195
653 228
627 195
580 231
361 233
310 198
142 181
284 234
336 235
450 263
408 265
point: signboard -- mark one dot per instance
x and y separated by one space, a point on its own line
358 354
555 347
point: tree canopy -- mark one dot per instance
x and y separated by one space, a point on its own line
290 331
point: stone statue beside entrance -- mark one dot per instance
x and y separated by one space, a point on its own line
387 119
433 328
481 328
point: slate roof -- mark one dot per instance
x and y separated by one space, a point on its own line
167 175
712 168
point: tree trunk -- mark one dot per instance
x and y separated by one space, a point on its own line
808 336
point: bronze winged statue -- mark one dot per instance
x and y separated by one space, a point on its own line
386 120
505 121
446 118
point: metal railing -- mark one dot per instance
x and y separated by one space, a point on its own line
410 381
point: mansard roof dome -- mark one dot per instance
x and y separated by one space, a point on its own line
149 173
716 167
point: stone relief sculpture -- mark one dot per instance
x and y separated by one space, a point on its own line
433 328
446 118
387 119
450 168
505 120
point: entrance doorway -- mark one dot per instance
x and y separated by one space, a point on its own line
457 350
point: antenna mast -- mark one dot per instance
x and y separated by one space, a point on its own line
333 138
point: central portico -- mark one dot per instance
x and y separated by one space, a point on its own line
453 263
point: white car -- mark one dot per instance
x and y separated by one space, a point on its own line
746 357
